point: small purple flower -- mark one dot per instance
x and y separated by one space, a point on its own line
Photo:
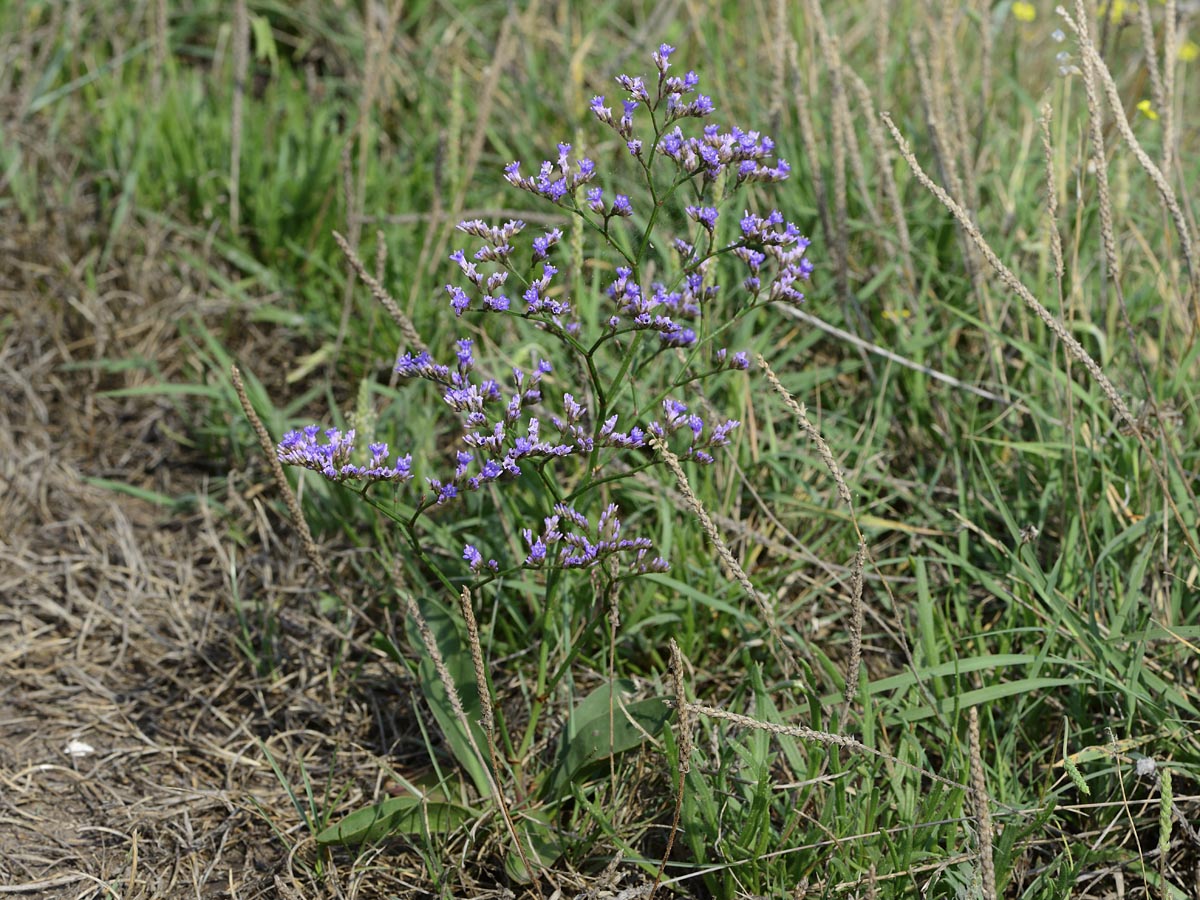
635 86
602 112
661 55
473 557
459 301
445 492
705 215
465 360
464 460
537 549
720 434
542 245
625 126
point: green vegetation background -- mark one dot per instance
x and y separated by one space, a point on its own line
1027 562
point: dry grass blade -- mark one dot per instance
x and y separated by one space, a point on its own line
854 667
489 718
960 131
839 139
241 65
843 489
1170 57
1099 160
1056 252
506 45
1158 91
1170 202
899 360
821 737
378 39
983 812
931 80
379 292
887 181
281 482
683 729
1095 68
814 434
808 138
986 51
1056 247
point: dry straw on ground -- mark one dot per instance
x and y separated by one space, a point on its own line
117 629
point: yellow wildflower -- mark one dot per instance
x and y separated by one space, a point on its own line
1115 10
1024 12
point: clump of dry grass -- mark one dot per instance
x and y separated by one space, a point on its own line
117 628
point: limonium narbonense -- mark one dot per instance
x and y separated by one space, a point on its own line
511 422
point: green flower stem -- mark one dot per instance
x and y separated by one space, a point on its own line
539 696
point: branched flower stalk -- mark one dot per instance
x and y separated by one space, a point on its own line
627 379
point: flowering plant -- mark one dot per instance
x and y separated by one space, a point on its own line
503 423
633 352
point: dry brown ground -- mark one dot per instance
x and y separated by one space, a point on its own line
116 623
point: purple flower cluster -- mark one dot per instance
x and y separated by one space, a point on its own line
334 458
497 425
579 545
507 427
785 246
620 205
654 309
475 559
742 152
487 287
677 417
553 182
497 248
671 98
745 153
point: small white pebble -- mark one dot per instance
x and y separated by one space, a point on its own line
78 749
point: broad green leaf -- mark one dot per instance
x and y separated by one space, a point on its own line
539 841
399 815
604 724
